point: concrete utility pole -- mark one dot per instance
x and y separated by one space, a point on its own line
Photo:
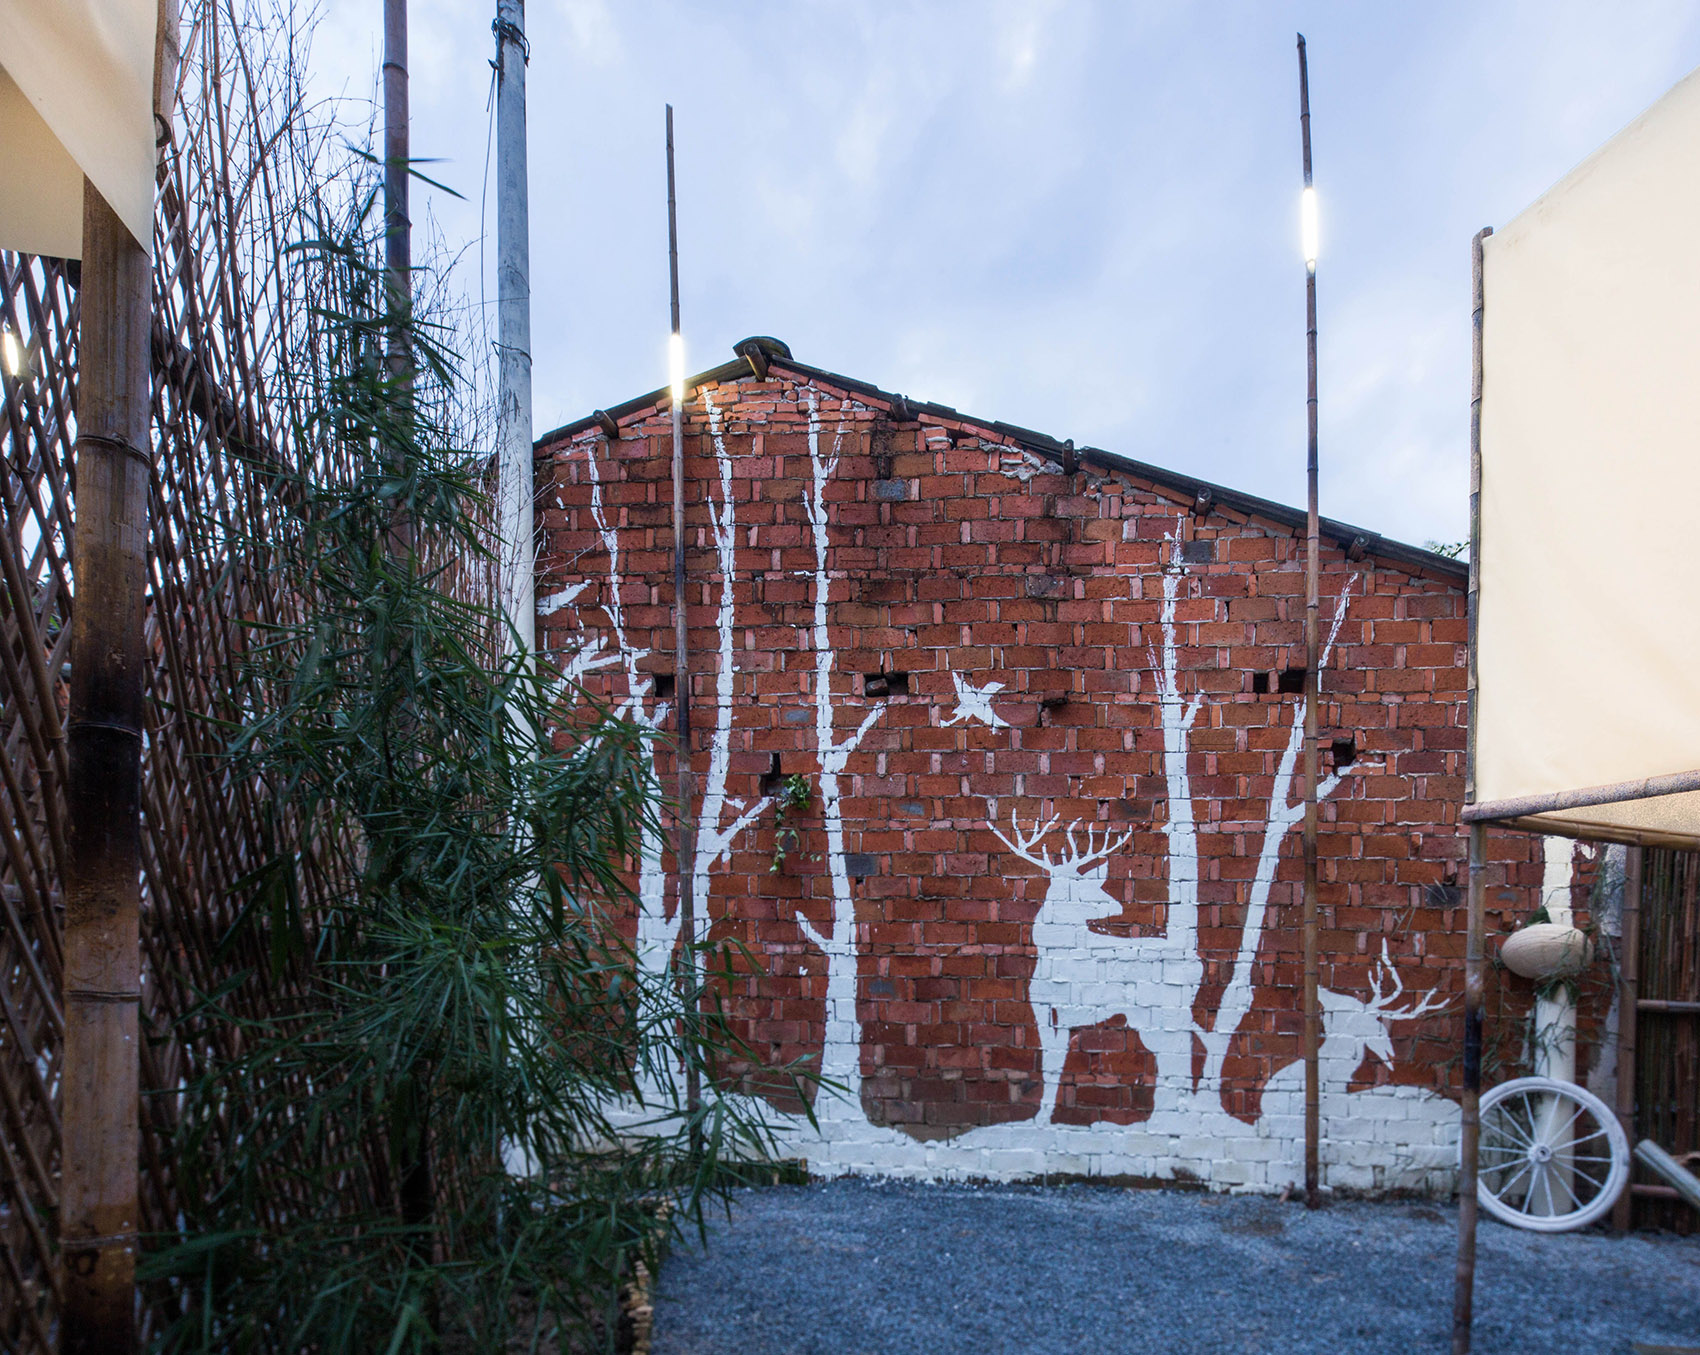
513 330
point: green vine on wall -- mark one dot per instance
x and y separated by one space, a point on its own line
794 797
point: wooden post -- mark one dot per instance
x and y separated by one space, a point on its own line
416 1188
1313 1020
685 839
99 1208
1628 1009
398 234
1464 1276
98 1202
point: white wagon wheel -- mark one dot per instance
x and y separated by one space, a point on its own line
1552 1156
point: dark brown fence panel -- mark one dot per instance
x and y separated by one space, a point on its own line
231 314
1667 1044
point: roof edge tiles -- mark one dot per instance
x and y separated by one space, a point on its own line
759 355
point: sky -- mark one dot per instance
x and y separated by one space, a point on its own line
1080 216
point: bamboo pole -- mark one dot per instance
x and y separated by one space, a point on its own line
1464 1277
685 838
1313 1020
513 335
1628 1012
416 1189
398 228
101 1107
99 1207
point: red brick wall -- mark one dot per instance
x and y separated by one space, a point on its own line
950 550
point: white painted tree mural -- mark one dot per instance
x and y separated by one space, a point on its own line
720 818
841 1057
1083 976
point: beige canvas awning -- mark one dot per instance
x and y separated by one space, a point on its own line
1588 624
76 99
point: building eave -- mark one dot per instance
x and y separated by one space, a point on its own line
1356 541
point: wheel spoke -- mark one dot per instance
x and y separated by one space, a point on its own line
1510 1122
1505 1189
1570 1123
1574 1198
1597 1182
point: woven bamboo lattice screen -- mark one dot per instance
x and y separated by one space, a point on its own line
233 316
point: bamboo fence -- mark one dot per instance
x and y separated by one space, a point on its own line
1666 1039
235 320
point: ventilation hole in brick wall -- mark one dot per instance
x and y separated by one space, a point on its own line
664 686
1345 751
773 778
885 684
1291 680
1260 684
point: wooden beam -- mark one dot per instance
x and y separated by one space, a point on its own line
102 985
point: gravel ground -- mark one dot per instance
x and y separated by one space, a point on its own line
883 1267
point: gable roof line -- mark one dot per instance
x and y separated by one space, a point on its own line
1355 539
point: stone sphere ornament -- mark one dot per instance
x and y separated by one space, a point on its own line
1547 950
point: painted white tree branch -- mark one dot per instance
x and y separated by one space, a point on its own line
841 1060
657 934
1183 970
1284 812
714 835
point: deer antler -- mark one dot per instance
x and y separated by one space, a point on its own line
1025 842
1382 1002
1093 854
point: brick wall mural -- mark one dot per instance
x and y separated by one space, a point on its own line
999 753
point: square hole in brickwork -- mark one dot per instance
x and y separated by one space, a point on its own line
1442 896
1260 684
773 778
885 684
1290 681
1344 751
664 686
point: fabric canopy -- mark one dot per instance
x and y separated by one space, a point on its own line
76 99
1588 639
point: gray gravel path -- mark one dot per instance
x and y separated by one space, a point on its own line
883 1267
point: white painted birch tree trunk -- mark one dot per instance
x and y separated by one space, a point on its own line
841 1054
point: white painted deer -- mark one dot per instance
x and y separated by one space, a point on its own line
1417 1124
1084 978
1352 1028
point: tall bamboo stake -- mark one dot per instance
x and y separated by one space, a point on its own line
1628 996
98 1202
513 317
417 1191
100 1108
1464 1280
398 232
1313 1104
685 838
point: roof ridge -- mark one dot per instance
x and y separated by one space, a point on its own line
759 354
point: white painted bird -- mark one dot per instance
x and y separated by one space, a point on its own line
975 703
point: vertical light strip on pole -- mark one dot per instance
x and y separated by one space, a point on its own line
513 331
1464 1278
1313 1111
684 839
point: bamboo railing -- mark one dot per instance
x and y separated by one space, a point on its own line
233 319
